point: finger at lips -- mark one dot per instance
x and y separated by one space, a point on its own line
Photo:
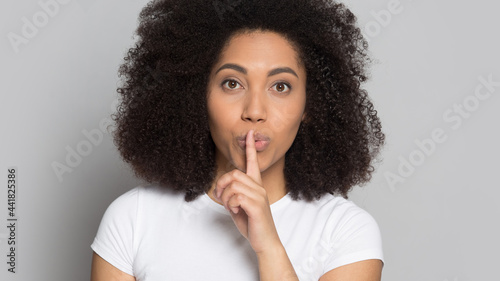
252 169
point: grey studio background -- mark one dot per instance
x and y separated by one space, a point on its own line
435 83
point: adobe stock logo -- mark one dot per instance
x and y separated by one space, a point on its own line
92 138
454 116
76 154
31 27
381 19
84 147
224 6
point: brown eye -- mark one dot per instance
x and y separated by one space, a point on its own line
282 87
231 84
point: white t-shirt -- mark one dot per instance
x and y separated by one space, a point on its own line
154 235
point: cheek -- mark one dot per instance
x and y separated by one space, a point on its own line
219 121
288 118
215 113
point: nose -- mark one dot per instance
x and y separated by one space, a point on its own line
254 109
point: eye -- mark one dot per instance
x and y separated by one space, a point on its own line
231 84
282 87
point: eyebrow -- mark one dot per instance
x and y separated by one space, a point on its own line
244 71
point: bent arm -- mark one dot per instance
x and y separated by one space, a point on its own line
367 270
104 271
277 266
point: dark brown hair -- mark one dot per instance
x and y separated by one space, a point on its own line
162 122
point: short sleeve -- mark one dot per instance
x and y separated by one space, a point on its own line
114 241
355 237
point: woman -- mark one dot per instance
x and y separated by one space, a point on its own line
248 121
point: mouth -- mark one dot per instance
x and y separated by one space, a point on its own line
261 141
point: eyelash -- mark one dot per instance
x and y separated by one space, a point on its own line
279 82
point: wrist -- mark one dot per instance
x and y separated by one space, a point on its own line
272 251
270 248
274 264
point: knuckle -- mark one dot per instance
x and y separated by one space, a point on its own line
236 174
239 198
232 185
263 192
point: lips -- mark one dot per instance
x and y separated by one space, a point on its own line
261 141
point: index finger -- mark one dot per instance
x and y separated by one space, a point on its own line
253 170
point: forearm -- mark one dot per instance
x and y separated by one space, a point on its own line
274 265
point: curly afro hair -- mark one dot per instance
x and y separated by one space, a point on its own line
162 126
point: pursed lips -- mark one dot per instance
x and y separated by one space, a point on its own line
261 141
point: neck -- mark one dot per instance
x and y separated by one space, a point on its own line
273 181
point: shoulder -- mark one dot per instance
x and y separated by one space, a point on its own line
332 209
150 193
139 200
346 220
345 211
123 207
125 199
339 222
352 233
333 232
334 218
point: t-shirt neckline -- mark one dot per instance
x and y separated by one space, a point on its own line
276 206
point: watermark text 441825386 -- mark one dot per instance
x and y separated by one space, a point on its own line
12 220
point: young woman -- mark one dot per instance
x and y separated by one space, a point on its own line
248 122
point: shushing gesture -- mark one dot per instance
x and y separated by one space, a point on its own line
243 195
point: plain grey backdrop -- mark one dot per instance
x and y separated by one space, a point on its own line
435 82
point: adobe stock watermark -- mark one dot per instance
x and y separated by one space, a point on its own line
224 6
382 19
83 148
31 26
313 265
454 117
94 137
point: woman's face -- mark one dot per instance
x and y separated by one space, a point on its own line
257 84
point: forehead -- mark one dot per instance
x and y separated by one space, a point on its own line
260 47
